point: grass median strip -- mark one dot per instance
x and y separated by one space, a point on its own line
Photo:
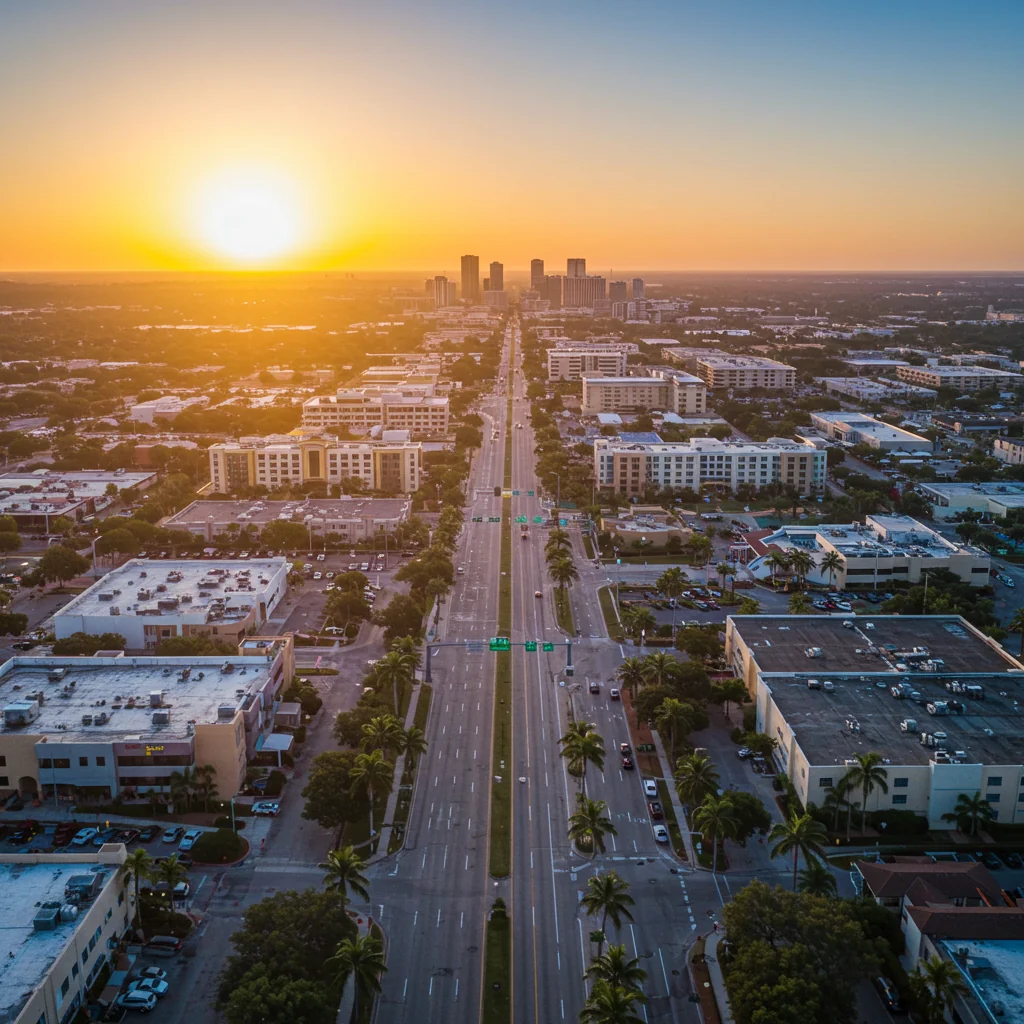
408 784
501 792
611 619
563 611
497 1004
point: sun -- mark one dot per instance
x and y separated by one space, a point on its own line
250 217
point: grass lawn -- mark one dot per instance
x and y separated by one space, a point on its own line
611 618
588 545
563 611
357 833
501 792
497 971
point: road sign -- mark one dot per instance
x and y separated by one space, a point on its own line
562 522
494 519
567 504
529 494
520 519
538 520
547 647
478 519
530 645
501 643
515 494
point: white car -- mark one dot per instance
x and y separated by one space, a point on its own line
266 808
321 557
85 837
155 985
660 834
144 1002
318 575
364 566
153 972
188 840
650 788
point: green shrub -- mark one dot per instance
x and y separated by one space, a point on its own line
737 735
224 821
275 783
750 718
300 734
898 823
220 847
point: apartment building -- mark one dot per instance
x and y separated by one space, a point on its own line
865 389
719 370
1009 450
572 364
934 696
296 459
962 378
360 410
704 462
667 391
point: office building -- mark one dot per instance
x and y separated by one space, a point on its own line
553 290
630 468
351 519
1009 450
166 408
664 391
147 602
741 372
864 389
34 499
496 282
576 268
295 459
932 695
582 292
359 410
638 288
883 550
992 498
617 291
857 428
471 279
964 424
64 915
537 275
572 364
444 291
961 378
117 726
496 298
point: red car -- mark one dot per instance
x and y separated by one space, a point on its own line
655 809
627 763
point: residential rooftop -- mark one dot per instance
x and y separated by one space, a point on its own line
993 970
260 512
127 691
85 483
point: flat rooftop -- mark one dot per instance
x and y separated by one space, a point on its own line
965 371
718 360
995 973
260 512
988 489
894 535
26 955
120 687
86 483
142 587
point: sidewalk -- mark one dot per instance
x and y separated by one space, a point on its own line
389 812
715 970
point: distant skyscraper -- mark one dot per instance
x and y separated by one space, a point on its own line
497 278
576 268
617 291
583 292
444 291
536 274
471 279
638 288
553 290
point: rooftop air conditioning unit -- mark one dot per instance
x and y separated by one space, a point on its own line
161 717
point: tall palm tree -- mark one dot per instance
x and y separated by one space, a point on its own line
836 800
802 563
362 960
798 835
170 872
413 743
799 603
723 569
778 561
749 606
969 813
631 674
205 781
180 784
372 774
344 869
589 824
660 667
672 718
943 983
137 865
672 583
607 895
557 540
611 1004
817 880
638 620
563 572
581 746
832 563
868 774
396 668
616 967
410 647
695 778
437 588
715 819
382 732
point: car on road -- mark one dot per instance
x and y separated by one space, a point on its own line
595 687
266 808
655 810
627 762
650 787
153 972
352 566
320 557
537 593
173 834
144 1002
155 985
625 748
660 834
744 752
461 570
614 694
181 889
188 840
148 833
85 837
364 566
318 575
890 995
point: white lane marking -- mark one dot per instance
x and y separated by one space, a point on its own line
430 991
551 847
405 988
664 973
456 990
438 917
424 863
466 868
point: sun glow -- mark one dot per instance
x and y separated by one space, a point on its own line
251 217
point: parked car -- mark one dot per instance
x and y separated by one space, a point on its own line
660 834
188 840
144 1002
650 787
106 836
153 972
148 833
614 694
24 833
655 810
173 834
890 995
992 862
1013 860
744 752
158 987
126 835
85 837
266 808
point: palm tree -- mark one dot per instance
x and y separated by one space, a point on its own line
180 785
638 620
798 835
617 968
942 981
802 563
383 732
836 800
557 540
361 959
563 572
631 674
205 781
777 560
372 774
611 1004
137 865
832 563
817 880
581 746
170 872
969 812
672 583
413 742
589 824
749 606
723 569
731 691
660 668
695 778
869 775
607 895
437 588
410 647
715 819
396 668
344 869
799 603
673 717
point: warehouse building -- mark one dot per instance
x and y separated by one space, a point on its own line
992 498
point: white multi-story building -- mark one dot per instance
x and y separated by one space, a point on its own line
668 391
867 390
147 602
742 372
166 408
360 410
572 364
963 378
991 497
292 460
630 468
857 428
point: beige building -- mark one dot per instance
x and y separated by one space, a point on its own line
421 413
64 915
294 459
1009 450
962 378
572 364
680 393
648 526
933 696
719 370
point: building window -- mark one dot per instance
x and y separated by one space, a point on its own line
83 762
899 799
825 783
994 780
992 798
101 762
901 783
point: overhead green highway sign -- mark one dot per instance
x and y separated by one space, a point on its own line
530 645
501 643
547 647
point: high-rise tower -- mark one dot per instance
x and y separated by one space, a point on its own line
471 279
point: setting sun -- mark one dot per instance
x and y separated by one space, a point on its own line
250 217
